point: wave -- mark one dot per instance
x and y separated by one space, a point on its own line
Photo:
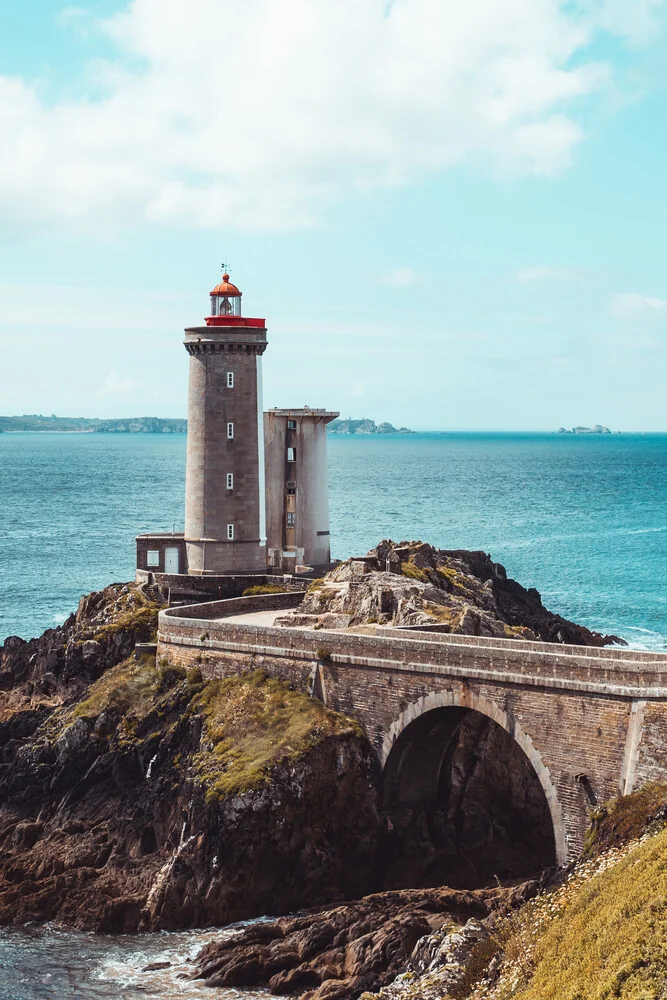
651 641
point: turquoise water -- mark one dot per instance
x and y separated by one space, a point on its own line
583 519
42 963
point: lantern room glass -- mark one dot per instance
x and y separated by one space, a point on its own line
225 305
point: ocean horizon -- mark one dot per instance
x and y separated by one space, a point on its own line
583 518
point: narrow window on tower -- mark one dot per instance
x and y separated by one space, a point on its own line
291 454
230 380
291 519
291 425
230 431
291 489
230 532
230 480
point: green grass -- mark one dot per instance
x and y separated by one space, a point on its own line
251 723
602 933
516 632
625 818
451 577
609 939
129 687
263 588
142 620
414 572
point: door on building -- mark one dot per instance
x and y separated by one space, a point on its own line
171 559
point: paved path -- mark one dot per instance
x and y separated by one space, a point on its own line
264 618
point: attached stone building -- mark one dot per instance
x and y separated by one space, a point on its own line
297 491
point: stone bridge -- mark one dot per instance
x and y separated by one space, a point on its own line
591 722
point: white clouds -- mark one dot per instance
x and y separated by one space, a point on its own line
260 113
401 277
68 307
115 386
73 17
638 21
632 305
544 272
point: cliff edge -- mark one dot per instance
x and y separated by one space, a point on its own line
134 796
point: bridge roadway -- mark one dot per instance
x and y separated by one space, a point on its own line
592 722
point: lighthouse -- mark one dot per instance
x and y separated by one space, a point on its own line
235 487
224 490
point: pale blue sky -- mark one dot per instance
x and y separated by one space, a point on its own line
450 218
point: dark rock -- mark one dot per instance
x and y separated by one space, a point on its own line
381 933
456 591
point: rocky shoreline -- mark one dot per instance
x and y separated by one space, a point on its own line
341 952
134 797
137 797
454 590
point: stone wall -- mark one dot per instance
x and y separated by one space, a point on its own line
216 352
572 710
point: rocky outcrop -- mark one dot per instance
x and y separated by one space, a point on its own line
364 426
460 592
341 952
151 799
39 674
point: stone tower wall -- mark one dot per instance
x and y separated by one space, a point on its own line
210 506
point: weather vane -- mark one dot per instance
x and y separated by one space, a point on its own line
224 267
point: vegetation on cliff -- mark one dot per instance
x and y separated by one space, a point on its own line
57 667
252 722
138 795
602 932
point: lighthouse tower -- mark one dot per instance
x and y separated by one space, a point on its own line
224 481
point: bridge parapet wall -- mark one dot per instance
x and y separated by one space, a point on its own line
593 723
212 610
591 652
540 665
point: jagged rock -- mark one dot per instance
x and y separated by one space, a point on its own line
414 584
108 823
343 951
61 663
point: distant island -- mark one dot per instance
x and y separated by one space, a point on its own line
88 425
161 425
364 426
596 429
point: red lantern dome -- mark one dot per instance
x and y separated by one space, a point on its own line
225 287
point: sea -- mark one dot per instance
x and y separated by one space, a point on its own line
581 518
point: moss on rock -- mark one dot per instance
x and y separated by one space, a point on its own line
626 818
142 620
252 722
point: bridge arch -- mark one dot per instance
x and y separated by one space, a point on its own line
467 699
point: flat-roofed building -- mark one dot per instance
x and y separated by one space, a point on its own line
297 488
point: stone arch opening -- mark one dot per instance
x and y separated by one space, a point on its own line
466 798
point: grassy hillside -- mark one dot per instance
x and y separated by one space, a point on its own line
603 933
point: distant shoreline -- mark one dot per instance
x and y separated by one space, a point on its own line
364 428
37 423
